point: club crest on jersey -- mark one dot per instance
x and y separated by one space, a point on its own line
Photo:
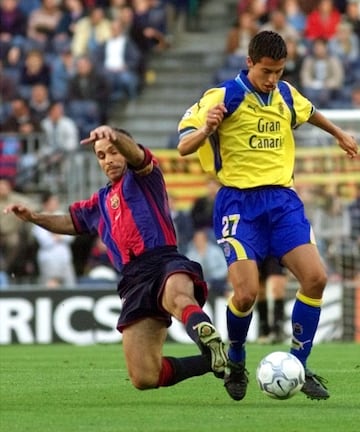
114 201
281 108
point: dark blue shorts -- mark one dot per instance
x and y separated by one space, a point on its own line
143 283
260 222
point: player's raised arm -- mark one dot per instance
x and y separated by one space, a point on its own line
122 140
59 224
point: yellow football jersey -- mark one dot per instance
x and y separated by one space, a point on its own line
254 145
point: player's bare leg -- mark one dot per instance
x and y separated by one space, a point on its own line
142 345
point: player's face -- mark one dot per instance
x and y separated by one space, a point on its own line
265 74
111 161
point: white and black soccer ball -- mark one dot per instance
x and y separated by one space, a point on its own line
280 375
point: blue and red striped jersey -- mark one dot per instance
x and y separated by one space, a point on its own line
131 216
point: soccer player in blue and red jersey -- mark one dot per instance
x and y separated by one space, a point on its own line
242 131
131 214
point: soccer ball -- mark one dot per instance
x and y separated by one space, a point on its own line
280 375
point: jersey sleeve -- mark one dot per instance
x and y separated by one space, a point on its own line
195 117
303 108
85 215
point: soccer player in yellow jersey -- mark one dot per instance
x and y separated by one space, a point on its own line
242 131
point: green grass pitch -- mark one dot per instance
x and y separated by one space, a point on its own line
64 388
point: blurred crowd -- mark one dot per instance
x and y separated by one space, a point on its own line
323 40
65 64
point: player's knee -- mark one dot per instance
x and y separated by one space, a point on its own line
144 381
315 285
244 301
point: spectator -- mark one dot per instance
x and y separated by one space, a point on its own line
99 269
332 226
148 31
54 255
183 225
149 25
42 24
237 41
62 70
346 46
321 75
13 25
39 101
272 280
239 35
211 258
61 131
73 11
278 23
86 83
9 157
202 208
81 247
21 121
117 8
13 63
14 238
126 17
261 9
34 71
121 59
323 21
88 96
90 32
293 63
352 15
28 6
62 139
295 16
8 90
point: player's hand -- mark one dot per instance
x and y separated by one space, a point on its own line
20 211
214 117
348 144
100 132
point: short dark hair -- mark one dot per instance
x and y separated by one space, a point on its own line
124 131
117 129
267 44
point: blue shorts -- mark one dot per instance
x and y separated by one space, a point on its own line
260 222
143 283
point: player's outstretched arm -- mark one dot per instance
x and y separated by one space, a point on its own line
59 224
345 140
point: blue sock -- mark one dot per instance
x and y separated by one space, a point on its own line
238 327
305 320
